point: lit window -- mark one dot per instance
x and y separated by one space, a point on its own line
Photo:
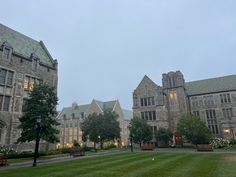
29 82
173 95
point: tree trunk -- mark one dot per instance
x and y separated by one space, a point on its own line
101 144
140 145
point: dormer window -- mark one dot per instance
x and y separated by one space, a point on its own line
7 51
35 61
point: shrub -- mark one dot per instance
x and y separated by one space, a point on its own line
220 143
194 130
87 148
110 146
65 150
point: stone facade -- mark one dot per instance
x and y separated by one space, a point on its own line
213 100
23 62
71 118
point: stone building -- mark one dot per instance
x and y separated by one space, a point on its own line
71 118
213 100
23 62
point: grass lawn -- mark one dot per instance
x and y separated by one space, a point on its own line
139 164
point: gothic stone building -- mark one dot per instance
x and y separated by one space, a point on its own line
23 61
71 118
213 100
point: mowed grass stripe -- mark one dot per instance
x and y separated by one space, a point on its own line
227 164
179 168
137 168
139 164
94 167
85 165
156 165
203 165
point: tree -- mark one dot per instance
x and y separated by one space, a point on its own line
194 130
101 127
163 136
90 128
41 104
140 131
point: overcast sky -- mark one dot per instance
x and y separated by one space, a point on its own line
105 47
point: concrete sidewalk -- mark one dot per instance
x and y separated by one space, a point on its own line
58 159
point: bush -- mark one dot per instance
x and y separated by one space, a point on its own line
194 130
110 146
221 143
65 150
87 148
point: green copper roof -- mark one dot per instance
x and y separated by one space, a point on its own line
218 84
23 45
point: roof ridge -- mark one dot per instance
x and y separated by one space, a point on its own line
19 33
211 78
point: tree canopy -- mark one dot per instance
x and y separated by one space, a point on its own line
101 127
140 131
194 130
41 104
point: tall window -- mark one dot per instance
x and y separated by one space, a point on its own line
4 102
148 115
6 53
29 82
173 95
225 98
227 113
209 100
211 121
147 101
194 101
6 77
196 113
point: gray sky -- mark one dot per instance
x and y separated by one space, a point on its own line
105 47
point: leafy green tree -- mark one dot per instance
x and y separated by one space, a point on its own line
194 130
101 127
140 131
90 128
41 104
163 136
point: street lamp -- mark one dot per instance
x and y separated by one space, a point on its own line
38 127
99 139
131 137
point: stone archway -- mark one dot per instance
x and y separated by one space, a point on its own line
3 131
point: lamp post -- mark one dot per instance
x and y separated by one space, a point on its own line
37 141
131 138
99 139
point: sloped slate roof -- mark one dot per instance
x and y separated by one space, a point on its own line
77 110
106 105
23 45
68 111
219 84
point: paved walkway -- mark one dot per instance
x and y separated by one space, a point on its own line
58 159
